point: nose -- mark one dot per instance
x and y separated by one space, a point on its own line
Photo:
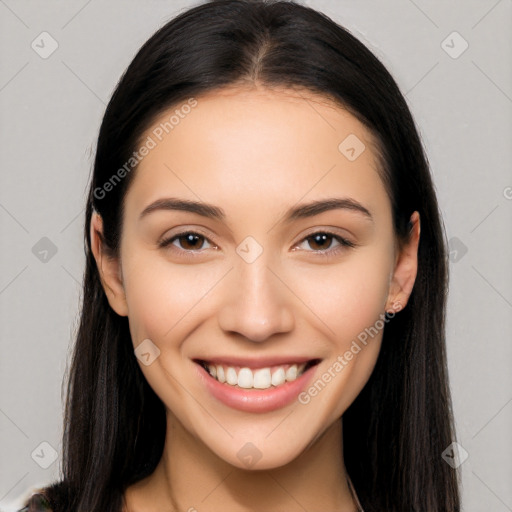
257 303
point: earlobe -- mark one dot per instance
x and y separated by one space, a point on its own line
406 269
109 268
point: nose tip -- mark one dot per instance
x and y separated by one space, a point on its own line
257 305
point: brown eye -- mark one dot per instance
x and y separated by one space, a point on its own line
322 242
187 241
191 241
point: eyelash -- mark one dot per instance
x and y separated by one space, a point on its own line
344 243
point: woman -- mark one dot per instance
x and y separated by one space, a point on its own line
262 323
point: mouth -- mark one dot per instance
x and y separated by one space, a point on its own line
254 377
256 386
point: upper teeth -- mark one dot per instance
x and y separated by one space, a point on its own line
261 378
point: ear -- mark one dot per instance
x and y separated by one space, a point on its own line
406 268
109 268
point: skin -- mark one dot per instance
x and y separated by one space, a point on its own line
255 153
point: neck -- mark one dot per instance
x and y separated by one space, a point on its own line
190 477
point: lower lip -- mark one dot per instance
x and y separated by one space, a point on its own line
256 400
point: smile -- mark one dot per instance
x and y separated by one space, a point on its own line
256 387
256 378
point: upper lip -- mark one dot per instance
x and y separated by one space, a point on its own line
256 362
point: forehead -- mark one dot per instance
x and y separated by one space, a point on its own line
254 147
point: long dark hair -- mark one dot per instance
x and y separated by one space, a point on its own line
397 428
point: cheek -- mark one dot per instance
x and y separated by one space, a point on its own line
351 301
348 297
160 295
164 298
165 306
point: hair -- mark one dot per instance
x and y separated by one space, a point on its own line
397 428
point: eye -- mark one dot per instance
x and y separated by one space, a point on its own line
322 240
188 241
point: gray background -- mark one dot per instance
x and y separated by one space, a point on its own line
51 111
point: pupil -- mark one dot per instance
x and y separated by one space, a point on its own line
318 239
190 238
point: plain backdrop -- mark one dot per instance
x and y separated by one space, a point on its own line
452 60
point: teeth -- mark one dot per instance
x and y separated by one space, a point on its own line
278 377
263 378
291 373
245 378
220 374
231 376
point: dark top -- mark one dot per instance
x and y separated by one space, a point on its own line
38 503
49 499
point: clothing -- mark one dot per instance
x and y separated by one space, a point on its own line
38 502
42 502
52 498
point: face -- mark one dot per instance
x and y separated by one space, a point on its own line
284 300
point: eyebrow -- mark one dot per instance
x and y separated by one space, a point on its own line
298 212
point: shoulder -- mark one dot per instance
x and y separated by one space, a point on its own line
53 498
